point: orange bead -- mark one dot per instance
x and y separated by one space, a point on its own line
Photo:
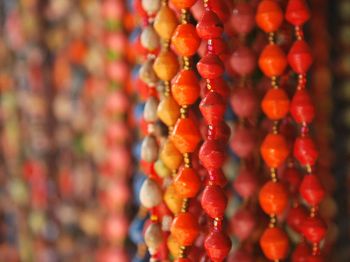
275 104
269 15
186 135
185 40
166 65
274 243
170 156
168 111
183 4
165 22
187 183
185 228
272 60
185 88
172 199
273 198
173 246
274 150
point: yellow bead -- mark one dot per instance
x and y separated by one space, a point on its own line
165 22
166 65
172 199
170 156
168 111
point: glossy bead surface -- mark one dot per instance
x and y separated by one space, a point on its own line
300 57
168 111
218 245
209 26
275 104
302 108
314 229
166 65
274 150
165 22
187 182
273 198
214 201
185 228
297 12
312 190
185 88
272 60
242 19
185 40
269 16
243 61
170 156
213 108
212 154
274 243
305 151
186 135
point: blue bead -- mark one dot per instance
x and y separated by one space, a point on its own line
136 230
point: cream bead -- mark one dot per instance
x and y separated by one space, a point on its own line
153 237
150 194
149 38
149 149
150 111
150 6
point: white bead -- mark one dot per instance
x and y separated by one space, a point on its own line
150 194
150 6
150 112
149 149
147 73
149 38
153 237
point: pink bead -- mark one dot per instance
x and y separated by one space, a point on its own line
243 61
246 183
242 224
243 141
243 18
244 102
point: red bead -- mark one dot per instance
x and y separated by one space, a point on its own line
293 178
273 198
220 8
242 19
218 245
243 60
241 255
297 12
245 184
300 57
274 150
217 46
212 154
187 183
274 243
243 141
314 229
210 66
244 102
275 104
302 108
214 201
301 253
317 258
296 217
221 131
312 190
305 151
269 16
185 228
209 26
186 135
272 60
217 177
185 87
182 260
242 224
213 108
218 85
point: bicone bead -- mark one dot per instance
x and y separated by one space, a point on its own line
275 103
187 182
243 61
297 12
212 154
274 150
183 4
185 228
274 243
209 26
185 88
243 141
210 66
166 65
172 199
170 156
300 57
186 135
221 131
242 19
272 60
165 22
301 253
218 85
242 224
150 194
216 177
245 184
221 8
292 177
244 102
168 111
305 151
213 108
185 40
312 190
214 201
269 16
296 217
273 198
302 108
217 245
314 229
217 46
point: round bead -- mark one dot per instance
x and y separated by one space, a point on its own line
272 60
243 141
172 199
212 154
170 156
242 224
297 12
153 237
296 217
183 4
214 201
300 57
185 228
150 194
150 111
166 65
217 245
187 182
147 74
149 149
245 184
165 22
149 38
150 6
274 243
244 102
274 150
314 229
273 198
185 40
209 26
186 135
275 104
269 16
185 88
312 190
168 111
213 108
302 108
210 66
305 151
243 61
242 19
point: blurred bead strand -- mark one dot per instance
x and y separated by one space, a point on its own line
273 196
212 153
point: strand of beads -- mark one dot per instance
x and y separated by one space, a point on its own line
185 135
273 196
303 112
212 153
